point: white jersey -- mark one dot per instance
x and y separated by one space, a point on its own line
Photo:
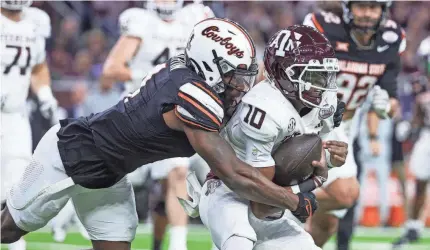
160 39
265 118
21 49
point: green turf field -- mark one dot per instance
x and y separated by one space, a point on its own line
199 239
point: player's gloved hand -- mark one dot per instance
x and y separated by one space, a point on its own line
338 115
381 102
338 151
307 206
48 104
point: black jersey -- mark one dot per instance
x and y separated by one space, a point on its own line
362 67
100 149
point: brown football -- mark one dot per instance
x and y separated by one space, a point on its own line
294 158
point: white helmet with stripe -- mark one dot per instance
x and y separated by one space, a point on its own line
223 53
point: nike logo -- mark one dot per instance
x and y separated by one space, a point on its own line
382 48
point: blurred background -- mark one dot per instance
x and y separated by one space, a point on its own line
84 32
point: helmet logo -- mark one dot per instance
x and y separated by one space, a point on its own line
211 32
283 42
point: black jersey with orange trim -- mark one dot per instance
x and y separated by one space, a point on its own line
100 149
362 67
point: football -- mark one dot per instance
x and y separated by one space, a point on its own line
294 158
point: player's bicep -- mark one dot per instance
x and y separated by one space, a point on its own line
199 107
123 51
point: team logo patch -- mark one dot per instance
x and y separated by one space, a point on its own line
211 32
212 185
340 46
326 112
291 125
390 36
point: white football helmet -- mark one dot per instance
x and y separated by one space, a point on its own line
223 53
165 8
15 4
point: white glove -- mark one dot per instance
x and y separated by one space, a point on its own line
381 102
403 129
194 190
48 104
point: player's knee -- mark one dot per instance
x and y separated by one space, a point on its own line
10 232
348 193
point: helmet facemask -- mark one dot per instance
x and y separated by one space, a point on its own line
165 8
349 17
313 79
234 82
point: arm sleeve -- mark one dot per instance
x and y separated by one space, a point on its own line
199 106
388 81
40 55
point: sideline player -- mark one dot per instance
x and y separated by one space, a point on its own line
177 113
300 71
420 156
368 46
23 66
150 37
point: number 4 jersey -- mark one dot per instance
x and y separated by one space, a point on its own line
362 67
22 47
160 40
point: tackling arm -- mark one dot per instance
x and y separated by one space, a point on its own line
245 180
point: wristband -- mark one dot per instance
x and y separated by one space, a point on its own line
45 94
306 186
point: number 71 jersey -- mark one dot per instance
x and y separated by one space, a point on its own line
21 49
362 67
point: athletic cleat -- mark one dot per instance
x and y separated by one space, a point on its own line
410 236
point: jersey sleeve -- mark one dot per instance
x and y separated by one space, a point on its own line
259 153
41 19
132 22
388 80
199 106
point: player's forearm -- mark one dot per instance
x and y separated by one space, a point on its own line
373 124
116 72
40 77
249 183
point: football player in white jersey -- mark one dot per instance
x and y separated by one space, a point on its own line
297 97
23 65
148 38
420 157
368 46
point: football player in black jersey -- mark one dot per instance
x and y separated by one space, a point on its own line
178 111
368 46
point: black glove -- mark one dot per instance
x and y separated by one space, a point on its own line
338 115
307 206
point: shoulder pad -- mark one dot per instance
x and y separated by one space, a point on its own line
40 19
135 22
392 33
200 106
324 22
268 100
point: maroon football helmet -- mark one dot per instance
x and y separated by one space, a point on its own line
300 62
